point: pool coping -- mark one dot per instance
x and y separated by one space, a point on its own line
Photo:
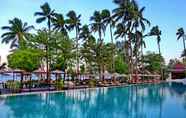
62 91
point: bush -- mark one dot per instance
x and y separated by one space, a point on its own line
120 66
92 83
13 85
59 84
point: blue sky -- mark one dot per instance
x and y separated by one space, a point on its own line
168 14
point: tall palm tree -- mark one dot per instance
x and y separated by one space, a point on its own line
59 23
120 13
85 33
125 14
17 32
139 20
139 43
98 25
46 14
140 25
131 16
109 21
74 22
155 31
181 34
121 32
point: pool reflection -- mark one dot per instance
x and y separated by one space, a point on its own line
145 101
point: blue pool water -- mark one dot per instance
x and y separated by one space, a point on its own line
144 101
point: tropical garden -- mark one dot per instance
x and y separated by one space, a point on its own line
87 50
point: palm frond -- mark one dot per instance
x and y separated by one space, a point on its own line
40 20
38 14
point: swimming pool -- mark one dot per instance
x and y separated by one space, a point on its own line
167 100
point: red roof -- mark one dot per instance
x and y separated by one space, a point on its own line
179 68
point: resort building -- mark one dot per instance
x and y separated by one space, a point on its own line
178 71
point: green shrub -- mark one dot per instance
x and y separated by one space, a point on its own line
13 85
59 84
92 83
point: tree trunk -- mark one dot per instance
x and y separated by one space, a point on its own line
48 49
47 63
161 71
125 49
113 61
131 60
100 51
142 66
21 80
77 52
184 42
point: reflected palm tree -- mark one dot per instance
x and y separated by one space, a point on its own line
128 102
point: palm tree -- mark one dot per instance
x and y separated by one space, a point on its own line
121 32
85 33
73 22
17 32
131 17
89 53
124 14
46 14
59 23
181 34
120 13
108 20
155 31
98 25
140 22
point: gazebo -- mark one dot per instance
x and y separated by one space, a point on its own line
178 71
57 73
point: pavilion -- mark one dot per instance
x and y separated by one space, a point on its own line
178 71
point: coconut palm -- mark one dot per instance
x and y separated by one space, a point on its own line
46 14
109 21
131 17
121 32
140 25
139 20
85 33
17 32
74 22
125 14
98 25
120 13
155 31
181 34
59 23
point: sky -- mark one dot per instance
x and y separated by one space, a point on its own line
169 15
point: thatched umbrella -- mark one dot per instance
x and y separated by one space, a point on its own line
17 71
57 73
40 72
